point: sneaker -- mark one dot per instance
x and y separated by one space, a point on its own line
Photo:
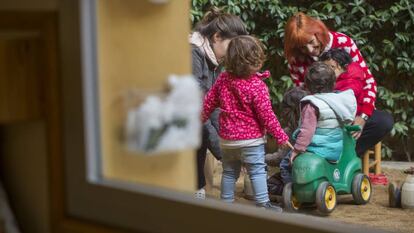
200 194
270 206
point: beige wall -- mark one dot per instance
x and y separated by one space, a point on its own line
24 169
140 44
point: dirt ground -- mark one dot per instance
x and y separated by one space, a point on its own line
376 213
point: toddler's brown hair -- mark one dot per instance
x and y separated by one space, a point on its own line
245 56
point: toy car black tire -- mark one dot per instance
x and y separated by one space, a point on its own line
288 199
361 189
325 198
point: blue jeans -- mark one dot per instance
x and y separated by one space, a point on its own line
254 161
286 169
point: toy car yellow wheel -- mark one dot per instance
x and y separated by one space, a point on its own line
325 198
361 189
290 203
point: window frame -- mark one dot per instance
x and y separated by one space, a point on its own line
139 207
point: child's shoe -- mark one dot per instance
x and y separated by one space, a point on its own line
269 206
200 194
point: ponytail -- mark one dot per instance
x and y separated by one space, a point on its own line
226 25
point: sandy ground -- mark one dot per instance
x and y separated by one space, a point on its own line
376 213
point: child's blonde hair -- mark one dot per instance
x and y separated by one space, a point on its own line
245 56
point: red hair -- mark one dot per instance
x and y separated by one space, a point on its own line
298 32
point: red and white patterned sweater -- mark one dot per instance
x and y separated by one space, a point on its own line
298 69
245 108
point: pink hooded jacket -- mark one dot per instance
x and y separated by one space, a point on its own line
245 108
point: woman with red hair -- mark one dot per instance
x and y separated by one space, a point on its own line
306 38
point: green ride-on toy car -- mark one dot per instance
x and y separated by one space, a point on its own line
316 180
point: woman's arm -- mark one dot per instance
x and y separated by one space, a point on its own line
198 61
369 91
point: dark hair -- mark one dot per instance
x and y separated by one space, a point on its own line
245 56
339 55
291 106
320 78
226 25
292 97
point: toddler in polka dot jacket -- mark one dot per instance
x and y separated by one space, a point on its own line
242 97
246 116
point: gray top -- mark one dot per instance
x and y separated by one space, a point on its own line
206 74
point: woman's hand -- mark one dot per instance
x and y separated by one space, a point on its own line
361 122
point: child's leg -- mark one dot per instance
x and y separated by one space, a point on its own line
254 158
231 170
286 169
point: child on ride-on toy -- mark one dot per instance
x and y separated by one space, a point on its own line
323 114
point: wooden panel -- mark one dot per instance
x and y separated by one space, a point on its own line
24 171
20 82
29 5
140 44
28 74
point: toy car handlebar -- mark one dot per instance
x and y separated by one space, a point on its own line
352 128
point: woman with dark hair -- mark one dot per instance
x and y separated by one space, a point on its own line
209 41
306 38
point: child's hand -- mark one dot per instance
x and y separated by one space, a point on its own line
287 145
293 155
